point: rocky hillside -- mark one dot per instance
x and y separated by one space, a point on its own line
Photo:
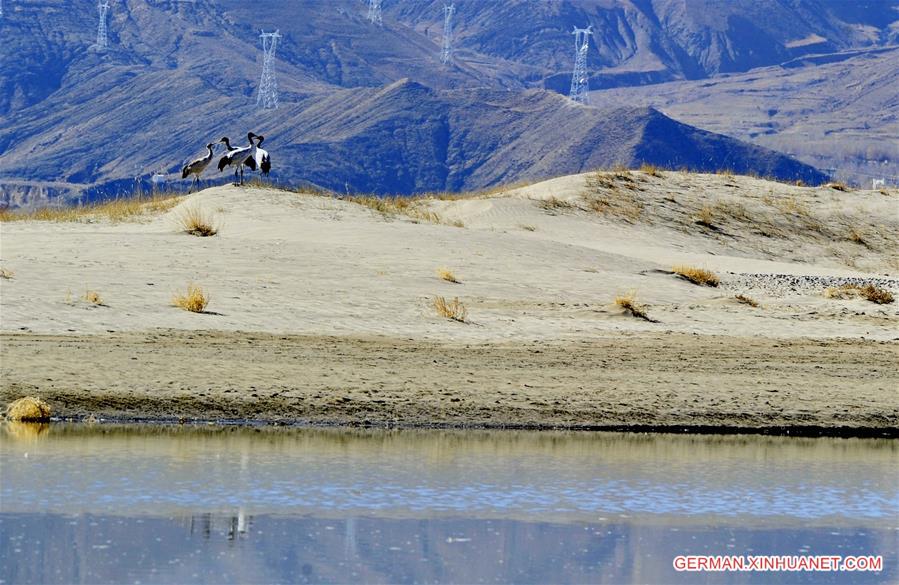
178 74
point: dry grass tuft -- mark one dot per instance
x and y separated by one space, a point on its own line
605 197
528 227
194 301
552 203
847 291
447 275
453 309
6 274
856 236
877 295
747 300
93 297
869 292
699 276
705 217
629 303
195 222
28 408
651 170
116 210
410 207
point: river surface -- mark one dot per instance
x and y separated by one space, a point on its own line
159 504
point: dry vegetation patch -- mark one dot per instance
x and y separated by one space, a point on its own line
747 301
651 170
93 297
447 275
194 221
629 303
553 203
6 274
699 276
453 309
115 210
194 301
868 292
705 216
877 295
413 207
612 194
28 408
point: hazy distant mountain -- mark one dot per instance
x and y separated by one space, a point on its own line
179 73
838 111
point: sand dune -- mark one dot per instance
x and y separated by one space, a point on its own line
537 264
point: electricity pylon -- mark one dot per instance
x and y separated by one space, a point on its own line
268 85
102 41
579 85
447 54
374 11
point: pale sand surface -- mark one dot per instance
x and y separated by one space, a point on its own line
351 291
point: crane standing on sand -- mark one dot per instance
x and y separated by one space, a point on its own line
238 157
197 166
252 156
261 159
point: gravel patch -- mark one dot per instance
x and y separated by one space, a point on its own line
791 284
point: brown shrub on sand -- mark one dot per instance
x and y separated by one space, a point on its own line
28 408
453 309
699 276
629 303
194 301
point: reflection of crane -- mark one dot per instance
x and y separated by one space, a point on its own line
579 85
239 524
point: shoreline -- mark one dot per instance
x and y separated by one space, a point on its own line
805 432
648 382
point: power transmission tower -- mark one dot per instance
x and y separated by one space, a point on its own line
579 85
448 12
102 41
374 11
268 85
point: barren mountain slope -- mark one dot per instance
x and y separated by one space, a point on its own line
837 112
402 138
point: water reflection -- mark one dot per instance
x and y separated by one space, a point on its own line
206 548
163 504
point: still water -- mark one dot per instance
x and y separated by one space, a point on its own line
122 504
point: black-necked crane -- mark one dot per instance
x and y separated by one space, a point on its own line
260 159
237 157
197 166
